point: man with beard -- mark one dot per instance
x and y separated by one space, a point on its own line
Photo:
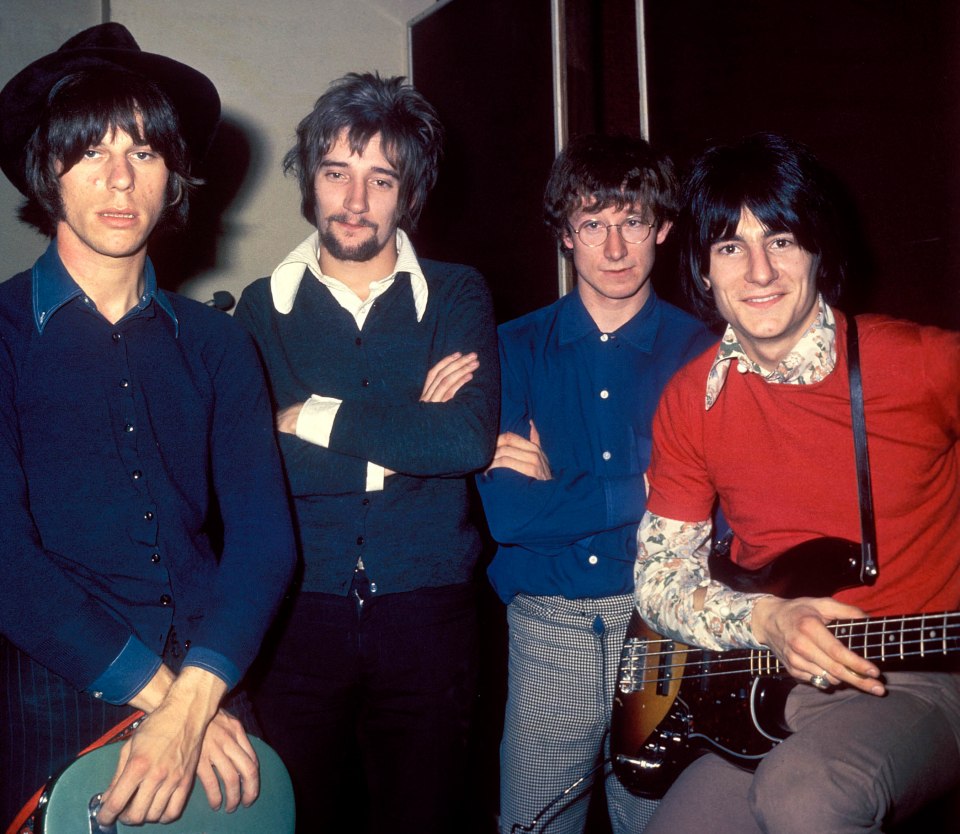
384 377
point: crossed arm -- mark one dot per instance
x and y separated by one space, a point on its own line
442 382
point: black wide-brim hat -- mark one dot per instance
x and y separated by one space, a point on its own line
24 98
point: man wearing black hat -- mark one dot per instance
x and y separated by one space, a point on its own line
147 538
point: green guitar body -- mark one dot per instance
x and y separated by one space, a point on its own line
71 800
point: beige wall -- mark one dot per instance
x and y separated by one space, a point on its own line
269 61
27 31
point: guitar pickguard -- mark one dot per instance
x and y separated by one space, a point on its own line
669 709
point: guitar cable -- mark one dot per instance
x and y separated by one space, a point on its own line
520 827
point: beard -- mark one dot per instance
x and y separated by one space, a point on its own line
364 251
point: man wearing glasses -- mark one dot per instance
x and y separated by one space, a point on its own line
565 491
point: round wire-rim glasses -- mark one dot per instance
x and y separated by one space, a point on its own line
632 230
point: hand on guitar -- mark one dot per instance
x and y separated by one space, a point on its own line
796 631
185 735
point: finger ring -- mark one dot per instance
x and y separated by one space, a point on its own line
820 681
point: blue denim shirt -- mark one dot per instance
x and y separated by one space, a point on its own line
592 397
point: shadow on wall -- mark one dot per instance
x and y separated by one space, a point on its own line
232 164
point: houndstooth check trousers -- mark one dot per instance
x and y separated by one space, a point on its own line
562 672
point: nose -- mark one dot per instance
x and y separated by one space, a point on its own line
761 269
614 246
120 175
355 200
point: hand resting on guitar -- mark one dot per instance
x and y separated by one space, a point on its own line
795 629
185 734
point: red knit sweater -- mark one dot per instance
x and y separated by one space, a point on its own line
781 459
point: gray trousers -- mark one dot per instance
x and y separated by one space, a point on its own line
856 763
563 666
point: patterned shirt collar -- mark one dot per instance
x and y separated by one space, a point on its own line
53 288
812 358
286 278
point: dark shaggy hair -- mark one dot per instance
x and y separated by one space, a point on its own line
595 172
364 105
785 188
81 109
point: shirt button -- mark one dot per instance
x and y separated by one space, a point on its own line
128 428
604 394
606 456
593 559
155 558
97 694
365 382
165 599
365 502
604 337
359 539
148 516
186 644
115 337
373 587
359 341
124 383
137 474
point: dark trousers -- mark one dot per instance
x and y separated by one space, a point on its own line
45 721
370 709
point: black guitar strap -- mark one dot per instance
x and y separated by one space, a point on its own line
868 530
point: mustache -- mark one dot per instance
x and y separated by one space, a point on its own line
358 221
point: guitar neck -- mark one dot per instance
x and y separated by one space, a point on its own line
882 639
888 639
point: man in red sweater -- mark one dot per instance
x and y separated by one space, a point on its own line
762 425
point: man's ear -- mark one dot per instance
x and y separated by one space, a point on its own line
663 231
567 240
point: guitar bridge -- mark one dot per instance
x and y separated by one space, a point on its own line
633 663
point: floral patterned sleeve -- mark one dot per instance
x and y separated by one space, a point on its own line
671 567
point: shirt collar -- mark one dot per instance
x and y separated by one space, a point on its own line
810 360
53 287
640 331
286 278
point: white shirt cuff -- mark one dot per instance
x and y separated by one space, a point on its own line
315 422
375 477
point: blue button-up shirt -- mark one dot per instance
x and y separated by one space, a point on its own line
592 396
120 446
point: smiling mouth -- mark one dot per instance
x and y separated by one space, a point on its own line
122 215
763 299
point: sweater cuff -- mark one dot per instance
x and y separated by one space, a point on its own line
215 663
130 671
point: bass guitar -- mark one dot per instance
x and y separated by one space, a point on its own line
674 702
